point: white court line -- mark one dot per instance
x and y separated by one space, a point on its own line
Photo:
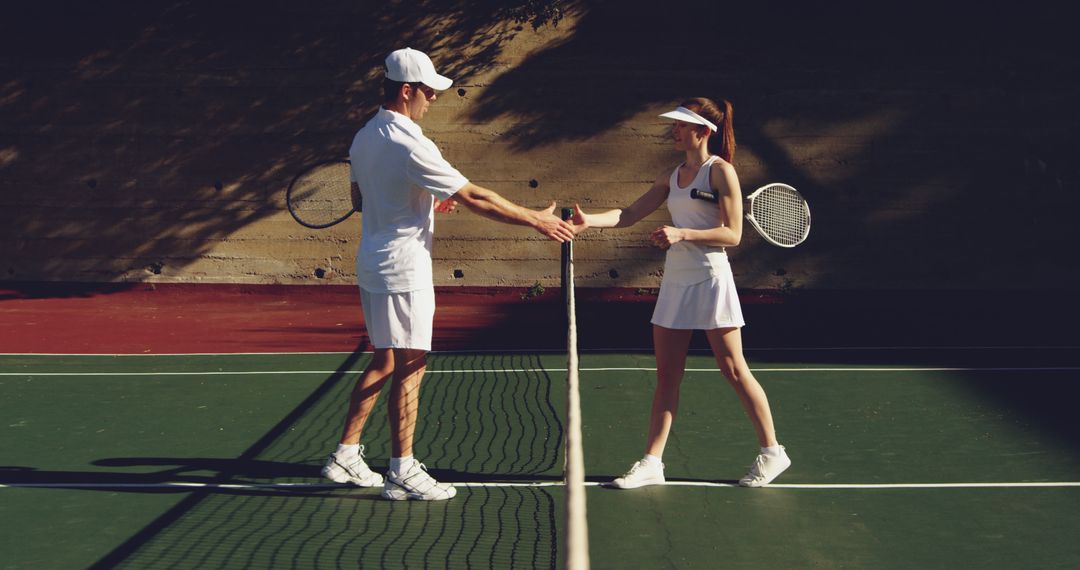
316 486
876 369
551 351
532 370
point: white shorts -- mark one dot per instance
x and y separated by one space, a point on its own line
710 304
399 320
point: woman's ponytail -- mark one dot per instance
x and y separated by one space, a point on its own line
722 142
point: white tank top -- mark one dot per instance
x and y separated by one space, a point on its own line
687 263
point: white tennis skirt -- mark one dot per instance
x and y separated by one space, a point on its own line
399 320
709 304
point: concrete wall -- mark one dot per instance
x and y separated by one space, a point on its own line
154 141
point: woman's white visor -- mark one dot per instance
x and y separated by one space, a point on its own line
687 116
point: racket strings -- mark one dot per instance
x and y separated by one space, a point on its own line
782 215
322 195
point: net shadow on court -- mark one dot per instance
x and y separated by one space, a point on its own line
485 418
969 417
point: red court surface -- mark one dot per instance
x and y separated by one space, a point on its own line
181 318
144 318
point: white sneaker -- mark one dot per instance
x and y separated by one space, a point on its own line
641 474
416 485
765 469
352 470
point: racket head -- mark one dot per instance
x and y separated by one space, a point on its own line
320 196
780 214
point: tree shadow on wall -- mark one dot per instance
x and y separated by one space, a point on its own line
139 136
908 126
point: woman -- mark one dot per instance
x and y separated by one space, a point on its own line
698 289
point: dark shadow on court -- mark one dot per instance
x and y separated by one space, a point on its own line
245 460
934 319
38 290
1041 401
179 470
932 327
189 470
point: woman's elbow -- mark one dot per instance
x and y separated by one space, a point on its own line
733 237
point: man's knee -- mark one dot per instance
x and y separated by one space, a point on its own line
382 362
408 361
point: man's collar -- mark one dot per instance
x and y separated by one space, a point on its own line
395 117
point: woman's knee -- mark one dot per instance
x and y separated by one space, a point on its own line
668 381
743 381
731 376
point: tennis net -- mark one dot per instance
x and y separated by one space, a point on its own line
576 554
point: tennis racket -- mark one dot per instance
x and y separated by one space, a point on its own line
777 211
321 194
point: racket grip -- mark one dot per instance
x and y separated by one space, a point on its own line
702 195
567 213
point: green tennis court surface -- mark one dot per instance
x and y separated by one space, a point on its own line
916 458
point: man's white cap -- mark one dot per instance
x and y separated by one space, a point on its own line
409 66
687 116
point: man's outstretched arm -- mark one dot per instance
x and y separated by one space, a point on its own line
490 204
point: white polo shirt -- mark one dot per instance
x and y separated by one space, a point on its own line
400 172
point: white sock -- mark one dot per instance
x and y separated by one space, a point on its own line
773 451
401 464
345 450
653 461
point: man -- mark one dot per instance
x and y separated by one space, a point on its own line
403 179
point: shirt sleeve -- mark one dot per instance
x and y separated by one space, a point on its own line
430 171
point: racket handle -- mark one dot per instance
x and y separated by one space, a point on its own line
567 213
703 195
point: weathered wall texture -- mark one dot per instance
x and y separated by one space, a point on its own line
153 141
